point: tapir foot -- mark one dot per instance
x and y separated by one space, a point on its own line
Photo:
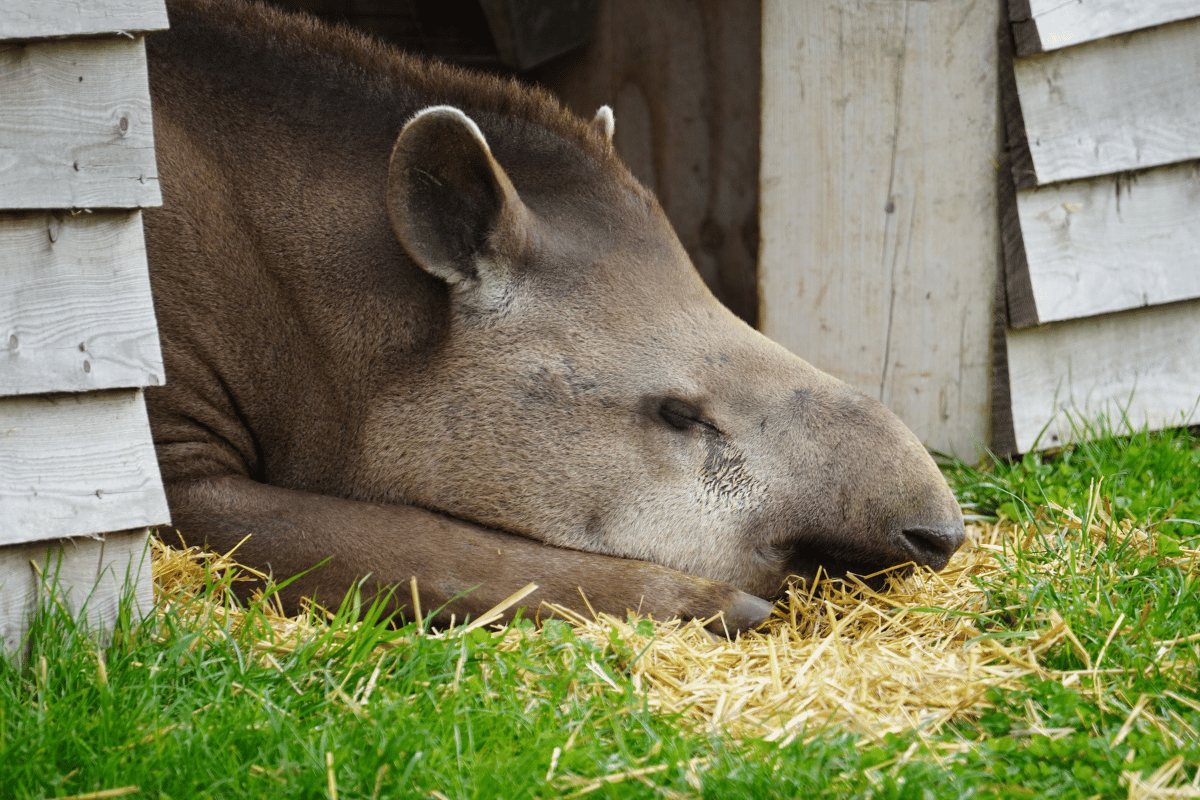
743 612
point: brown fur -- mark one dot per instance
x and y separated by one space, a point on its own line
476 355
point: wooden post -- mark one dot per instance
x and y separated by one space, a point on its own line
880 142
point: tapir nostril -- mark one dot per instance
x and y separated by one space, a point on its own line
932 547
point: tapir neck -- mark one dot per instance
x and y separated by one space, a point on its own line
314 303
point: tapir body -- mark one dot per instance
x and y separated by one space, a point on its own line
422 323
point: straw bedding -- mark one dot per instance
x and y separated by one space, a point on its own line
914 657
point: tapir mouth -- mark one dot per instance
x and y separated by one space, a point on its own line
898 554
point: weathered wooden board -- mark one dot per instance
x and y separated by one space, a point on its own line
1125 103
682 77
74 465
1110 243
1043 25
879 212
76 127
84 572
1140 367
75 307
34 19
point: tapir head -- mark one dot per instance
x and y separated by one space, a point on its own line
591 393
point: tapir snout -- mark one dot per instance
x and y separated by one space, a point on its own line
889 504
833 481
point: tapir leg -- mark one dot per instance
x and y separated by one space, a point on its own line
461 569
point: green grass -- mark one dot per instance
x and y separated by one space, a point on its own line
184 714
1126 604
197 708
1151 477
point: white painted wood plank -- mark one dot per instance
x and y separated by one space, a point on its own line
76 312
33 19
76 128
1140 366
79 573
73 465
125 566
1062 24
19 593
1113 105
1113 243
879 214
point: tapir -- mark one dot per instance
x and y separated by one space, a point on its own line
422 323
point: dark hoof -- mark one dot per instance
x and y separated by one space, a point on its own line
745 612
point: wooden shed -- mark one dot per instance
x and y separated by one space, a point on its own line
1101 215
79 484
900 138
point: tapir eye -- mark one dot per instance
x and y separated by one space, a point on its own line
682 415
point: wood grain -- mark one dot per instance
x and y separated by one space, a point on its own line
76 126
1112 243
880 144
75 307
1134 368
1043 25
34 19
87 575
682 77
1113 105
75 465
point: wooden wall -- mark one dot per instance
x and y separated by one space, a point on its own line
1101 218
880 147
683 78
79 483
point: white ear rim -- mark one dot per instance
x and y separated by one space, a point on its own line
451 111
607 123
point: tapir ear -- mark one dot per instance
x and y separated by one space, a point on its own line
451 205
604 124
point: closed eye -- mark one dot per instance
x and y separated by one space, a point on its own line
682 415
